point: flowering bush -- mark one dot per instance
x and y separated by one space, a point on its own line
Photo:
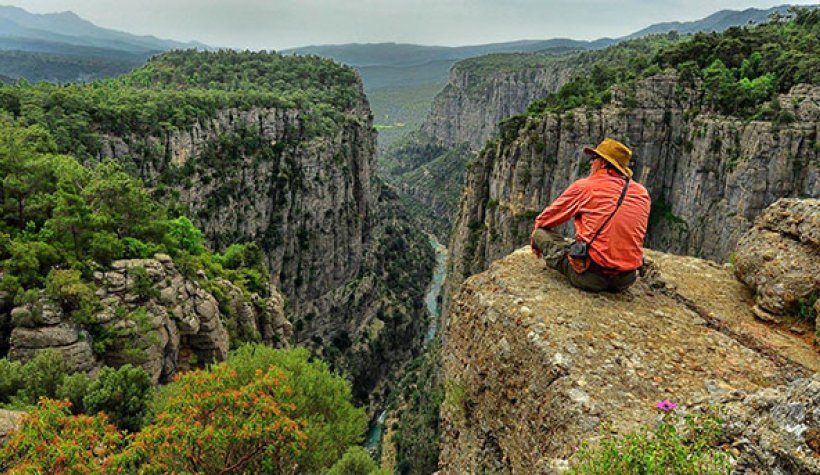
51 440
212 424
264 411
661 450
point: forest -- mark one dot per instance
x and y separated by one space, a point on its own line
739 71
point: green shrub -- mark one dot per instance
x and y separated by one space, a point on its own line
322 401
68 288
51 440
11 379
356 461
73 388
661 450
42 376
183 235
212 422
121 393
455 396
143 284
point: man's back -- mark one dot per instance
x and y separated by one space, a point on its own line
620 244
590 201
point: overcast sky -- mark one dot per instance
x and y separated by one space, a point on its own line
279 24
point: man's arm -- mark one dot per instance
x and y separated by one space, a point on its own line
560 211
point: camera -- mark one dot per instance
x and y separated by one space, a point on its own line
578 250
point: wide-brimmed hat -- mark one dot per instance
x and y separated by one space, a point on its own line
613 152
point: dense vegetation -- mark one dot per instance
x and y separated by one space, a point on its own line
416 432
264 411
60 221
178 88
739 70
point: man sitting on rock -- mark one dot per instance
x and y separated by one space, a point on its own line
611 214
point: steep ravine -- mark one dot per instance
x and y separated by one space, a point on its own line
709 176
352 268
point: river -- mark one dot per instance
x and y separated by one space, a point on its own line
374 435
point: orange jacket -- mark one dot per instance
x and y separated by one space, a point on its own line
590 201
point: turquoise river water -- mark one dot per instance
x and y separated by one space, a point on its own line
374 435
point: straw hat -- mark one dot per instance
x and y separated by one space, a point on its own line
613 152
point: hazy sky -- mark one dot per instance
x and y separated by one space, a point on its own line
278 24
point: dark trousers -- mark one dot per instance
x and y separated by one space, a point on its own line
595 279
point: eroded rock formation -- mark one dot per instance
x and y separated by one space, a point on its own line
779 257
485 90
336 239
150 316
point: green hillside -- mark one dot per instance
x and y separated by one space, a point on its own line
739 70
178 88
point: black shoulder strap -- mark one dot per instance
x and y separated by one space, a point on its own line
620 200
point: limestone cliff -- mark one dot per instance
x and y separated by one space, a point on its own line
429 165
485 90
352 267
709 176
534 367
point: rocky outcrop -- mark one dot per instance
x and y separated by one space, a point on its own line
779 257
534 367
149 315
709 176
774 430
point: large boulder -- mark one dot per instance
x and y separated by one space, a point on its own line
779 257
533 367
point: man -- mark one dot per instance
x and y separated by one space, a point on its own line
613 237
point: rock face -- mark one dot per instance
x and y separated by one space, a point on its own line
151 316
429 167
775 430
779 257
709 176
485 90
330 229
309 202
534 367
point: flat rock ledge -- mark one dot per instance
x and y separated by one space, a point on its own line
534 367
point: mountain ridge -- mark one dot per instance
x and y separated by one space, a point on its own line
72 25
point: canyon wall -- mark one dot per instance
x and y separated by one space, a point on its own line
335 237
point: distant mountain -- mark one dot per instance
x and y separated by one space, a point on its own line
716 22
68 28
399 54
410 73
62 47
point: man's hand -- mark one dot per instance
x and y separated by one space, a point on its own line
534 248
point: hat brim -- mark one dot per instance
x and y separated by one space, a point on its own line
625 170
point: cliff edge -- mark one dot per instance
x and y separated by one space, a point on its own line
534 367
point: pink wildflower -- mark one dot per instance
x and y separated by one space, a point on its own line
666 405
